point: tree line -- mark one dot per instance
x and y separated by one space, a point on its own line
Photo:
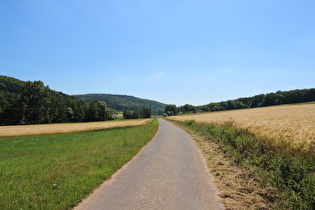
138 113
123 102
35 103
262 100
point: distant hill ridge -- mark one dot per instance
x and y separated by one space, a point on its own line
124 102
10 88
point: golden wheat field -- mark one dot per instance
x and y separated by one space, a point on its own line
292 122
30 130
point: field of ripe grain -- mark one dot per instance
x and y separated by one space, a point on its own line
292 122
32 130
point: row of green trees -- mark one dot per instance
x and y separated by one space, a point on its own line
37 104
138 113
262 100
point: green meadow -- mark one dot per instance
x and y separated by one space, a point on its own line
58 171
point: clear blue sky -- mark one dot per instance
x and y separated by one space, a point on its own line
172 51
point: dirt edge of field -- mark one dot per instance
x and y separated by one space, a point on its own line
237 186
48 129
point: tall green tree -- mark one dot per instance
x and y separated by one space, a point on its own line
58 112
104 111
136 114
98 111
92 111
171 109
187 108
147 112
127 114
35 97
3 102
13 114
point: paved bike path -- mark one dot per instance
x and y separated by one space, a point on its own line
169 173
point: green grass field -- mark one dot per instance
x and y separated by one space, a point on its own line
58 171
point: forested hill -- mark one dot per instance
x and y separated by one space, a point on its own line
34 103
10 89
123 102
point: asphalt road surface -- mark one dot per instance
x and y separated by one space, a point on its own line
169 173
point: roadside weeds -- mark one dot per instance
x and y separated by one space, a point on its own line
237 186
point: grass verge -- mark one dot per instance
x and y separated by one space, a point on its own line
58 171
278 165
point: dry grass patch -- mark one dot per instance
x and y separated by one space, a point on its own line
33 130
295 123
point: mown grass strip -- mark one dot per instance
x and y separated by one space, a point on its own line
58 171
289 169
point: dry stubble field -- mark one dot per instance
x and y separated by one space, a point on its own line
295 123
30 130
